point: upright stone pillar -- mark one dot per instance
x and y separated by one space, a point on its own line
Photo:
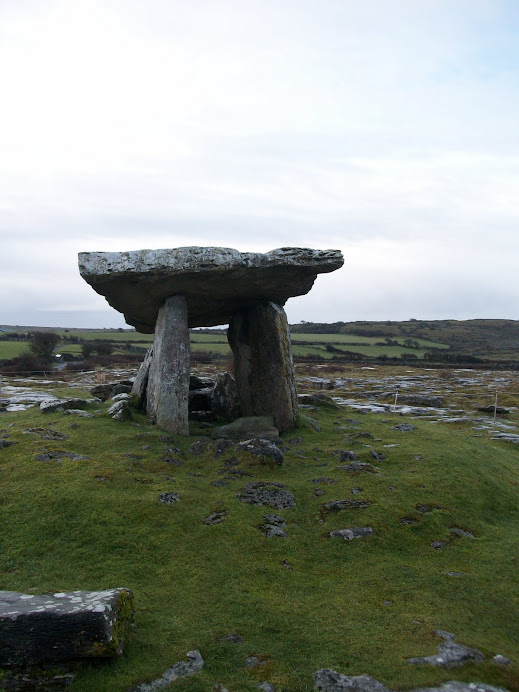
263 363
168 379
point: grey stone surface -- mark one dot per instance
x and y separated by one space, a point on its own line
347 455
192 666
258 427
328 680
140 384
359 467
120 411
63 626
217 282
352 532
226 400
216 517
273 495
169 498
168 379
267 687
338 505
58 455
266 450
450 654
274 526
263 363
6 443
429 400
272 531
53 406
404 427
455 686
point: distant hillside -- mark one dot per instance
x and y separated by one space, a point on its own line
499 338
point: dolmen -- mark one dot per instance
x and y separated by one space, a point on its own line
167 292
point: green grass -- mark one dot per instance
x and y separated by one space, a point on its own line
352 339
65 528
12 349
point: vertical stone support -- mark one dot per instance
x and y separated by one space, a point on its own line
263 363
168 379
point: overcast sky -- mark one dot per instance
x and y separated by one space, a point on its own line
385 128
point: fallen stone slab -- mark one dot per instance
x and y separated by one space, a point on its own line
352 532
273 495
450 653
64 626
183 669
216 282
259 427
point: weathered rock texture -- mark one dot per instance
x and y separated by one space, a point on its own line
62 627
216 282
263 364
168 291
168 379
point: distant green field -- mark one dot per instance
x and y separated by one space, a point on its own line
106 334
353 339
303 344
12 349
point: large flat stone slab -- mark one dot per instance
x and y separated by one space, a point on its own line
63 626
216 282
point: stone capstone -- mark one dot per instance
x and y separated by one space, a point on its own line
62 627
216 282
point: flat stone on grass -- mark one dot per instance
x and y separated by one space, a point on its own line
64 626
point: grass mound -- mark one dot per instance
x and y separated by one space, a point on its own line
298 603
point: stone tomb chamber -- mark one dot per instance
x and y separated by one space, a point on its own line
167 292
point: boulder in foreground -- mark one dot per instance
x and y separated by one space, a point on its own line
63 626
